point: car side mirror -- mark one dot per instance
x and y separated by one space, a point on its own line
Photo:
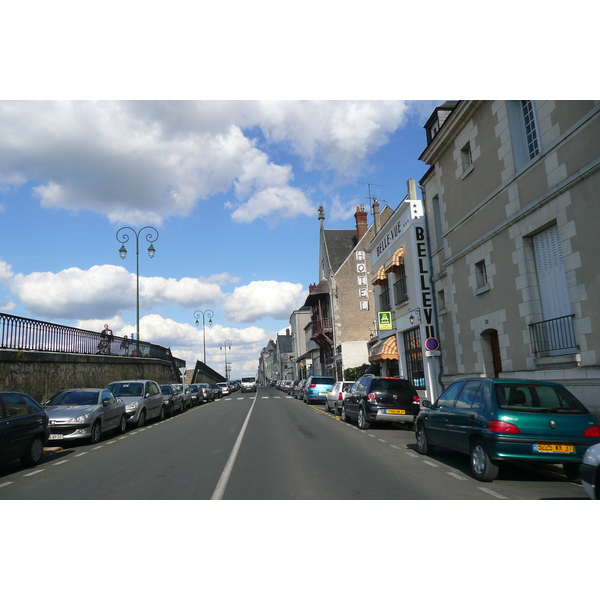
426 403
104 402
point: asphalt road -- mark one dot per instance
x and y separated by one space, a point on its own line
267 446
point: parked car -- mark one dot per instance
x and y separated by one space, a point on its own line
495 420
299 393
194 391
206 392
224 388
143 400
248 384
589 472
24 428
217 391
317 387
292 388
173 399
335 397
186 394
84 413
380 399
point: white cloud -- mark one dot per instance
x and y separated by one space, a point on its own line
134 161
259 299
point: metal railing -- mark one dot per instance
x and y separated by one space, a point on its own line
400 290
19 333
554 336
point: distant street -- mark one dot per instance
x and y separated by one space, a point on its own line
267 446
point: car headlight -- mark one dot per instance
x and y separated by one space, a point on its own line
132 405
79 419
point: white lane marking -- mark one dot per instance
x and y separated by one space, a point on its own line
33 473
395 447
5 484
457 476
412 455
380 440
224 479
431 464
97 447
80 454
491 493
60 462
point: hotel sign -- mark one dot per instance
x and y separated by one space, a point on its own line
384 320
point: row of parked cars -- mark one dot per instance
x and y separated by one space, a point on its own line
26 426
490 420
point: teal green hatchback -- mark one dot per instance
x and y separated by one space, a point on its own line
495 420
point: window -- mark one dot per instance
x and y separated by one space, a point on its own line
468 394
15 406
448 397
441 300
414 358
437 219
523 127
481 276
384 297
400 287
466 158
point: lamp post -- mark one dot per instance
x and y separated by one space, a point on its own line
221 346
150 237
210 314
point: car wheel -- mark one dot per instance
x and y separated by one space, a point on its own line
96 432
327 406
481 465
161 414
344 415
336 411
122 424
423 446
571 471
362 420
34 454
142 419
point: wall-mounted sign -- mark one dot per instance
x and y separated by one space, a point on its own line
384 320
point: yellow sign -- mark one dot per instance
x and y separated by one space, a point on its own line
385 320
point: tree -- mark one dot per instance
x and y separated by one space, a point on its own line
353 373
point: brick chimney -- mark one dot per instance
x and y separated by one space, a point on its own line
376 215
361 221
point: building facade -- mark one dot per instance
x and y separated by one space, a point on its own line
511 202
406 321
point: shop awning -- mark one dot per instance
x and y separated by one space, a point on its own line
386 349
397 259
381 276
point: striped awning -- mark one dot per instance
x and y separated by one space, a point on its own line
381 276
386 349
397 259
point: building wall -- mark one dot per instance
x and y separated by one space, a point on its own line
491 214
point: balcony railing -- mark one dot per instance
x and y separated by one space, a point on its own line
400 290
553 337
321 325
19 333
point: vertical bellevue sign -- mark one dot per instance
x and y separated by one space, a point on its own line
426 297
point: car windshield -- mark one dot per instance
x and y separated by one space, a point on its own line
525 397
73 398
248 379
390 385
166 389
127 389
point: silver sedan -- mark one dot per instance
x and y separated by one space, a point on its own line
84 413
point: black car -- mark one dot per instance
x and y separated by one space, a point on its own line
23 428
381 399
173 399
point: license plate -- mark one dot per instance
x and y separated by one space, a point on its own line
395 411
56 436
564 448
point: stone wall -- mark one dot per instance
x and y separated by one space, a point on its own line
41 374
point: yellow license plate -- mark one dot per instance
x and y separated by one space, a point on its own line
564 448
393 411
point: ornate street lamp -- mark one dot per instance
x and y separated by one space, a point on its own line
150 237
210 314
224 345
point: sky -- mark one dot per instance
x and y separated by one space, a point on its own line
230 188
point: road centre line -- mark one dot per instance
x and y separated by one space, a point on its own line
224 479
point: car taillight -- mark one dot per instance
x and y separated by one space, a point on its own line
312 385
592 431
340 397
416 399
371 397
502 427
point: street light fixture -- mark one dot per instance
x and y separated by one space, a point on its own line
224 345
210 314
150 237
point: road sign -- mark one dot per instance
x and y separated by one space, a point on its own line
432 344
385 320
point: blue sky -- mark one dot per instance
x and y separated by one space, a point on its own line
232 188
